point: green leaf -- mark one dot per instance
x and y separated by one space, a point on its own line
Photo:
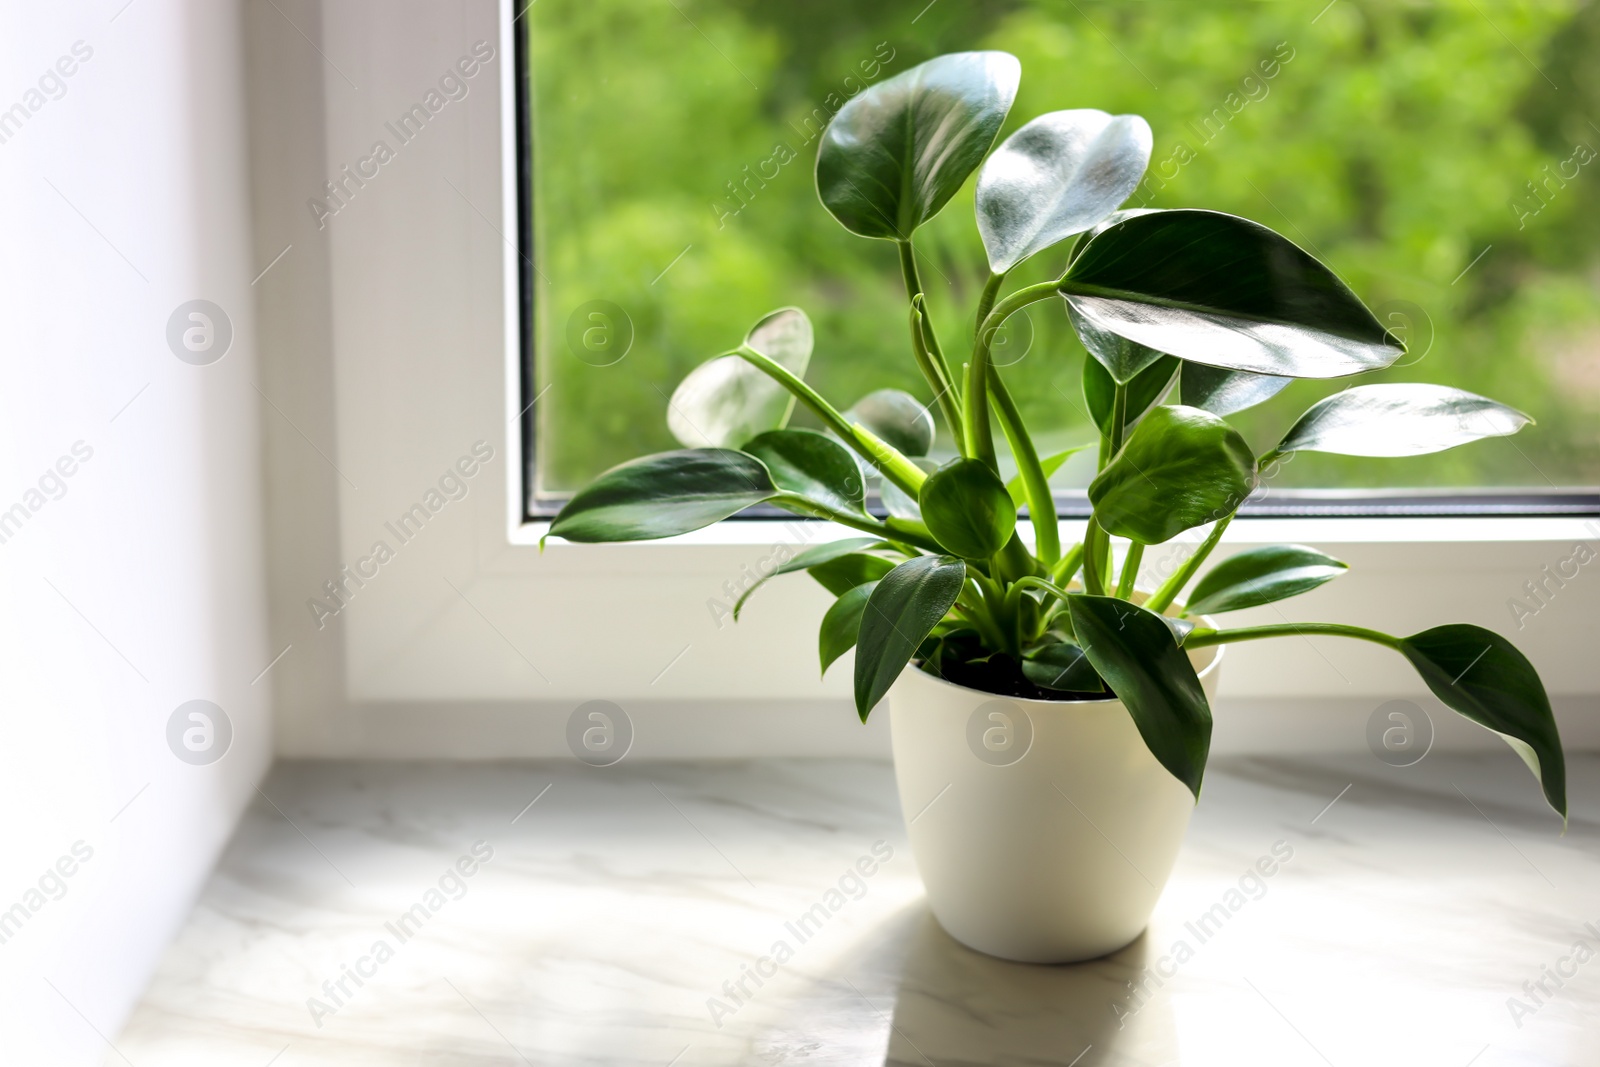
1262 575
1137 655
725 401
1146 389
1062 666
895 154
898 418
662 495
807 558
1049 464
1220 290
908 602
1482 675
967 509
898 503
1055 177
842 624
1399 419
843 573
1122 359
1224 392
813 465
1180 468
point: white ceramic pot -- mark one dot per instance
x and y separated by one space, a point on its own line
1044 830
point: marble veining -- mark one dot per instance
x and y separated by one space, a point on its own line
552 913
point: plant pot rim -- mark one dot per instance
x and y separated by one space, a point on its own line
1211 666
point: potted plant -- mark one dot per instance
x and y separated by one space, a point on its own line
1065 711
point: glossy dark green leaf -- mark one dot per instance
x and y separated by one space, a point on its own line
1137 655
898 418
1146 390
895 154
662 495
724 402
805 559
1224 392
1121 358
813 465
1180 468
1048 464
1062 666
1482 675
1399 419
1055 177
1225 291
1262 575
843 573
967 509
908 602
842 624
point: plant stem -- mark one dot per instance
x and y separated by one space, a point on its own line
1041 504
934 371
1164 596
942 379
1039 583
975 404
1202 636
882 455
1093 568
865 523
1062 572
1119 417
1130 570
991 289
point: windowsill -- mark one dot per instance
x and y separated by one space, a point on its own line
1244 530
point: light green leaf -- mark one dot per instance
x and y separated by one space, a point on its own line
967 509
1399 419
1055 177
1180 468
725 401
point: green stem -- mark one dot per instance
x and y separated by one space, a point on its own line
1119 418
979 615
1093 568
945 395
991 289
865 523
1062 572
975 404
1170 588
1041 503
1130 570
913 282
1039 583
882 455
1203 636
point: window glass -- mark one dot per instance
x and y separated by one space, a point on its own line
1441 158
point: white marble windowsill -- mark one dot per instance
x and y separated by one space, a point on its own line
616 905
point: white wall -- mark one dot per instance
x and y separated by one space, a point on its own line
142 586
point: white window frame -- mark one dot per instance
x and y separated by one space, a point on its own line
477 613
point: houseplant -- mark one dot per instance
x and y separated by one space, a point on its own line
1189 316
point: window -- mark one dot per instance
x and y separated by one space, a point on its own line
668 153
